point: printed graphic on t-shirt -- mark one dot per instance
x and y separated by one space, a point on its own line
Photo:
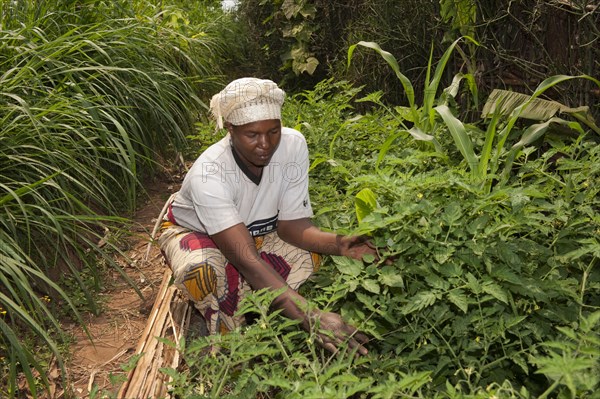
264 226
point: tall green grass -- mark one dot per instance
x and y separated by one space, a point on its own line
90 93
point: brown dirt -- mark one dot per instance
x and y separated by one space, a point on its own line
96 364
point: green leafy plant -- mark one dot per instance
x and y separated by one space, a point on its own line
426 127
491 156
226 366
423 118
299 15
574 361
479 279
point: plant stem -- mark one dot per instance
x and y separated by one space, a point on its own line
550 389
583 284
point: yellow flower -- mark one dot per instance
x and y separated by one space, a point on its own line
420 195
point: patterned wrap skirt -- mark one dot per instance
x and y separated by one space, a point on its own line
213 284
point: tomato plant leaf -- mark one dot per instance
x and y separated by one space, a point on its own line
371 286
348 266
368 258
520 361
452 213
443 254
420 301
460 136
390 277
495 290
458 298
473 284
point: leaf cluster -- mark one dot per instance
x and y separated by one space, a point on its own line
481 279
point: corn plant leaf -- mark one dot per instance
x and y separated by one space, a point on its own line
545 85
391 60
420 135
432 87
452 90
460 136
531 134
486 151
534 132
517 105
504 102
386 146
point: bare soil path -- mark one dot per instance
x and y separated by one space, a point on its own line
97 364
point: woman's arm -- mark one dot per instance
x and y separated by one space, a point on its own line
304 234
238 247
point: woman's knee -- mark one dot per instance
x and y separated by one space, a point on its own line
197 279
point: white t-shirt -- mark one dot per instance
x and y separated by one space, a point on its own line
216 194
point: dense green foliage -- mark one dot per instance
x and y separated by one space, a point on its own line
494 289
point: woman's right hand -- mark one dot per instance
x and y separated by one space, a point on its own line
334 332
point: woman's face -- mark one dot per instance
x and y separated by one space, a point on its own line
256 142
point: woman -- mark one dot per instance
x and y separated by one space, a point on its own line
241 220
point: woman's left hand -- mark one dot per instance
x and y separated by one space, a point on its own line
356 247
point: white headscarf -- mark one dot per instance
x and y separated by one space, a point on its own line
247 100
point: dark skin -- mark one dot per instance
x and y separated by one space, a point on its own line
255 143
